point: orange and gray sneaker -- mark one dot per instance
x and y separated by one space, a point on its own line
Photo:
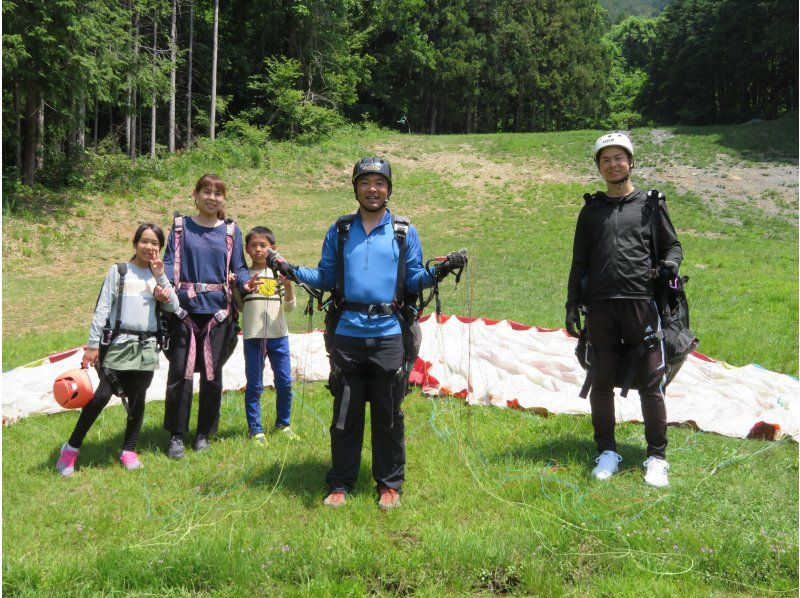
335 499
390 499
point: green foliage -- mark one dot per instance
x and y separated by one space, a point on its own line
722 61
619 10
248 133
627 84
294 114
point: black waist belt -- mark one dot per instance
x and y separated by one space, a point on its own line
142 335
371 309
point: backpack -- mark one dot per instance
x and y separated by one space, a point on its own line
673 312
403 303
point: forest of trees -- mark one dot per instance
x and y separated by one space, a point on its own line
147 77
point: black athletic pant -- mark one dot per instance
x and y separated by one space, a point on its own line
135 384
367 370
178 400
608 322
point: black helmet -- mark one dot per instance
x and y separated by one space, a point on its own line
373 165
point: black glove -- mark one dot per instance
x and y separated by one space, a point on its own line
573 322
455 260
277 263
667 271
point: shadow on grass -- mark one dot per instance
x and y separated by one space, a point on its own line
759 141
569 449
105 453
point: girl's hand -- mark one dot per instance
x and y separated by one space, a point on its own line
252 284
161 294
157 267
90 357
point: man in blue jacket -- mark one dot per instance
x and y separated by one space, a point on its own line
364 256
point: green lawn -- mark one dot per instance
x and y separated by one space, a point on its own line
496 500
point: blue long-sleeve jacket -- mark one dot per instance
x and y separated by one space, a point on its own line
204 260
370 274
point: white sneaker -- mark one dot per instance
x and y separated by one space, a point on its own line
607 465
656 474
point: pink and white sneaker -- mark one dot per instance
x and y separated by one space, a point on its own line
130 460
66 461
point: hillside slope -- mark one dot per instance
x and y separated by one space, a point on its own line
511 200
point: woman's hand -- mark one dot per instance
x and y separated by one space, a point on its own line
90 357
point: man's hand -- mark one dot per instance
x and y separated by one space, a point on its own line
161 294
277 263
667 271
90 357
573 322
455 260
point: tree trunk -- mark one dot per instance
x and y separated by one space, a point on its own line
189 79
132 145
40 134
133 92
139 119
518 114
96 120
80 138
128 120
18 131
173 56
30 118
434 115
469 125
154 98
214 72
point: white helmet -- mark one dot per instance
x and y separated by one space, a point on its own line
613 140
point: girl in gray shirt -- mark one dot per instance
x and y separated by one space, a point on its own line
132 355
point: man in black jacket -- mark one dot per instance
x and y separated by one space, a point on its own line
613 276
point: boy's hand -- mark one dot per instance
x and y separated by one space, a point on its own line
251 285
231 277
161 294
157 267
90 357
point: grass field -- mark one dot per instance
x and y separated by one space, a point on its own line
497 501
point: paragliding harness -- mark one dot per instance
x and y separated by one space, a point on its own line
403 305
673 312
182 317
109 334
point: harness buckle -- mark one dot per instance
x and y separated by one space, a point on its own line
200 287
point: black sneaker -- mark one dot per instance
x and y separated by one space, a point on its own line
201 443
175 448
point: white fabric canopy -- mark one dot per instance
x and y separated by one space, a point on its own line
504 364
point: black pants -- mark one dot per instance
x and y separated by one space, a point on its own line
178 400
367 370
135 384
609 322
